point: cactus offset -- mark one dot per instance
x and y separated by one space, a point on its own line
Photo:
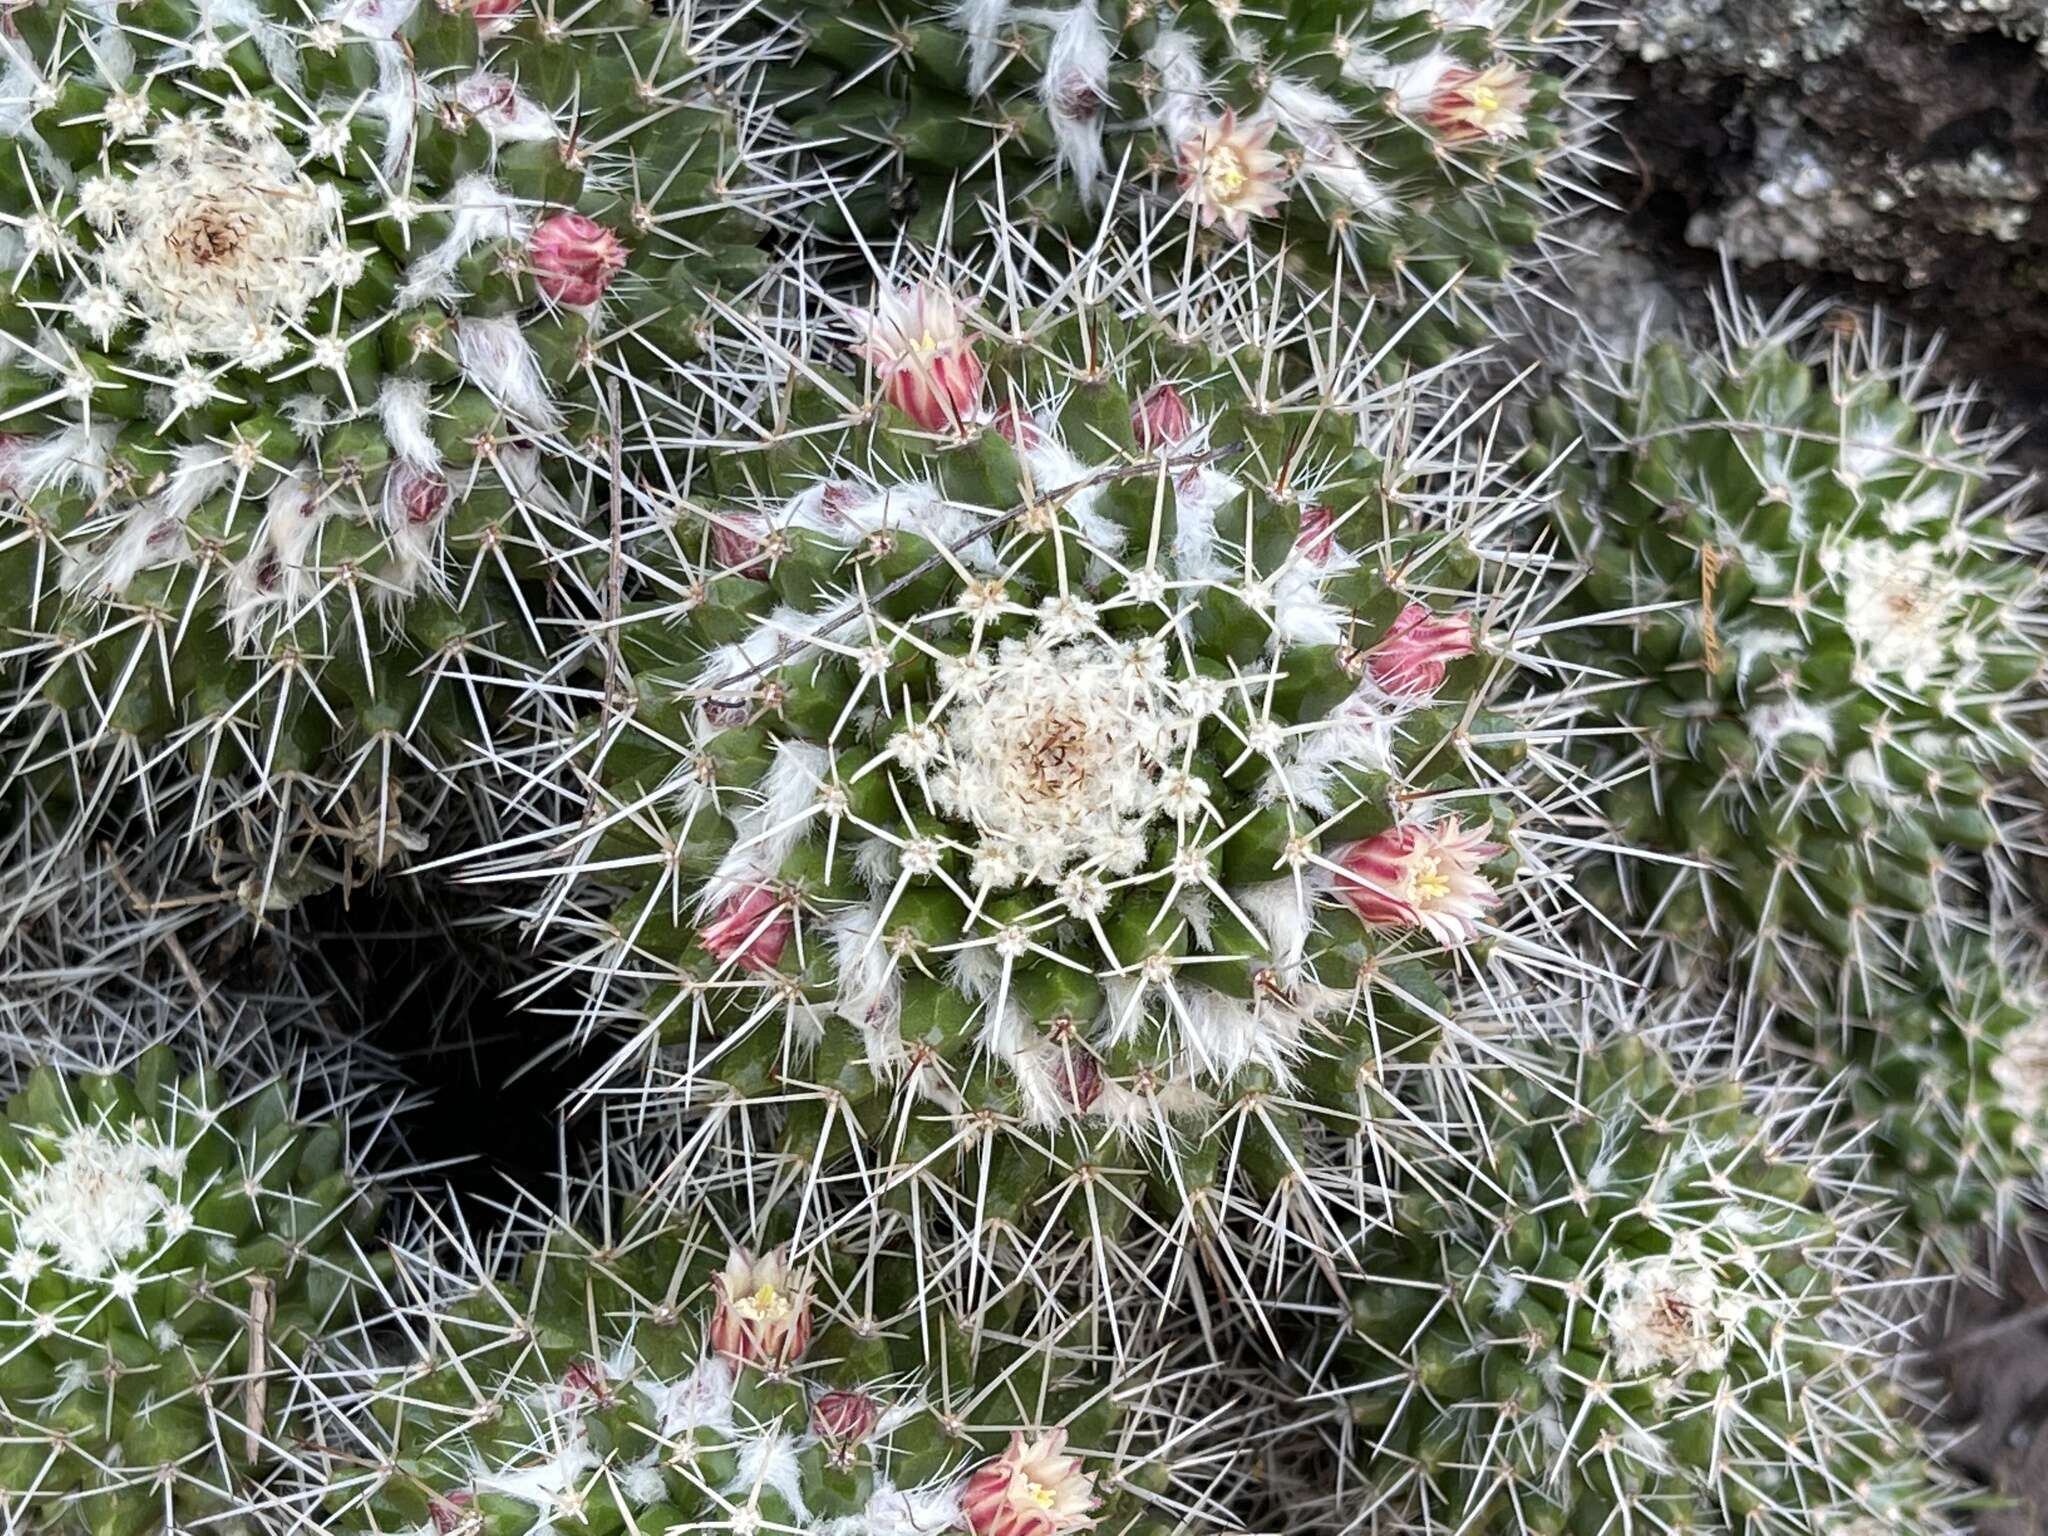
1399 145
657 1378
179 1257
308 339
1645 1309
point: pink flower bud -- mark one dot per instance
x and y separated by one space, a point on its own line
920 350
736 544
584 1379
763 1312
1032 1489
844 1418
1410 661
750 929
414 496
446 1509
1419 875
1015 428
574 259
1161 418
1317 536
492 10
1077 1077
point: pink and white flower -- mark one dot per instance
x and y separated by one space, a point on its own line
1420 875
1409 662
1468 104
574 258
919 346
1231 174
751 928
763 1311
1032 1489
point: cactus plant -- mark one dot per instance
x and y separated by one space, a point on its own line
1806 596
1085 763
649 1375
180 1254
311 327
1401 145
1654 1307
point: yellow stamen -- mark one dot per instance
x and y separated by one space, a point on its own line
1040 1495
1429 881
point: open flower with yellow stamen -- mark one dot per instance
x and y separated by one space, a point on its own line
763 1314
1230 173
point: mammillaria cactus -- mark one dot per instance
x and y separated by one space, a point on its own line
657 1379
1649 1306
177 1255
1809 600
310 330
1084 763
1400 144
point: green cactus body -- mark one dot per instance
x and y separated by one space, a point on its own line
1076 806
175 1257
1810 604
305 354
1820 631
1398 144
1644 1313
658 1381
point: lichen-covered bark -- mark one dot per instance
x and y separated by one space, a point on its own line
1895 148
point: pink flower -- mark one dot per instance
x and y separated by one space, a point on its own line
1490 103
763 1313
1317 536
1161 418
1231 174
844 1418
492 10
919 347
1420 876
1410 660
751 928
1032 1489
574 259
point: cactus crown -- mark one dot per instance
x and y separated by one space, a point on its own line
309 319
177 1257
1651 1304
663 1378
1111 730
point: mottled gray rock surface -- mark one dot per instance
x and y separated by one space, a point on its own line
1896 150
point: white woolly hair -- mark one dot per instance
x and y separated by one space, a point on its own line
495 355
870 995
1195 545
478 210
407 415
1052 466
290 526
1077 74
982 21
776 821
1184 90
73 458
